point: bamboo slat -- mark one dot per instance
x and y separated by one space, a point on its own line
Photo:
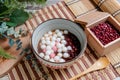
111 6
114 57
67 1
79 7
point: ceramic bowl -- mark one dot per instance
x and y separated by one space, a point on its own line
53 24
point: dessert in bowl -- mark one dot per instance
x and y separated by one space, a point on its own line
58 43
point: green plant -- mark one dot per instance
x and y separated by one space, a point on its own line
12 14
5 54
13 11
33 1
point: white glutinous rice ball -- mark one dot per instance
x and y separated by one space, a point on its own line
43 41
59 34
47 57
51 51
52 43
41 55
58 39
47 38
57 30
65 32
66 55
48 42
64 49
53 38
62 37
52 60
56 58
63 42
48 52
43 38
69 47
62 45
45 35
59 50
50 33
60 54
55 35
50 37
61 60
48 47
59 45
43 46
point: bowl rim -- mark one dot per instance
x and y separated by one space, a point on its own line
75 58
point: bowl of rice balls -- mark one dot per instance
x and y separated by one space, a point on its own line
58 43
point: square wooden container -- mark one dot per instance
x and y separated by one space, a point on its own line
90 21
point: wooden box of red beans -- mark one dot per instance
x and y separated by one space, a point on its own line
103 33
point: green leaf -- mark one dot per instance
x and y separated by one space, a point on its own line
17 17
33 1
3 8
11 42
5 54
11 24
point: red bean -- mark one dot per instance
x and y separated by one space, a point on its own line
105 32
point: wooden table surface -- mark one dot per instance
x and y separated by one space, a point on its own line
49 2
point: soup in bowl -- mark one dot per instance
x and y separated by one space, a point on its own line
58 43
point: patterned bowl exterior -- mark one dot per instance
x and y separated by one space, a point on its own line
53 24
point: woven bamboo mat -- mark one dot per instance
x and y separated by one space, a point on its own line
88 6
25 70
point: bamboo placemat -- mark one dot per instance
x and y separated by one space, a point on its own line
110 6
114 58
80 7
86 6
25 70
